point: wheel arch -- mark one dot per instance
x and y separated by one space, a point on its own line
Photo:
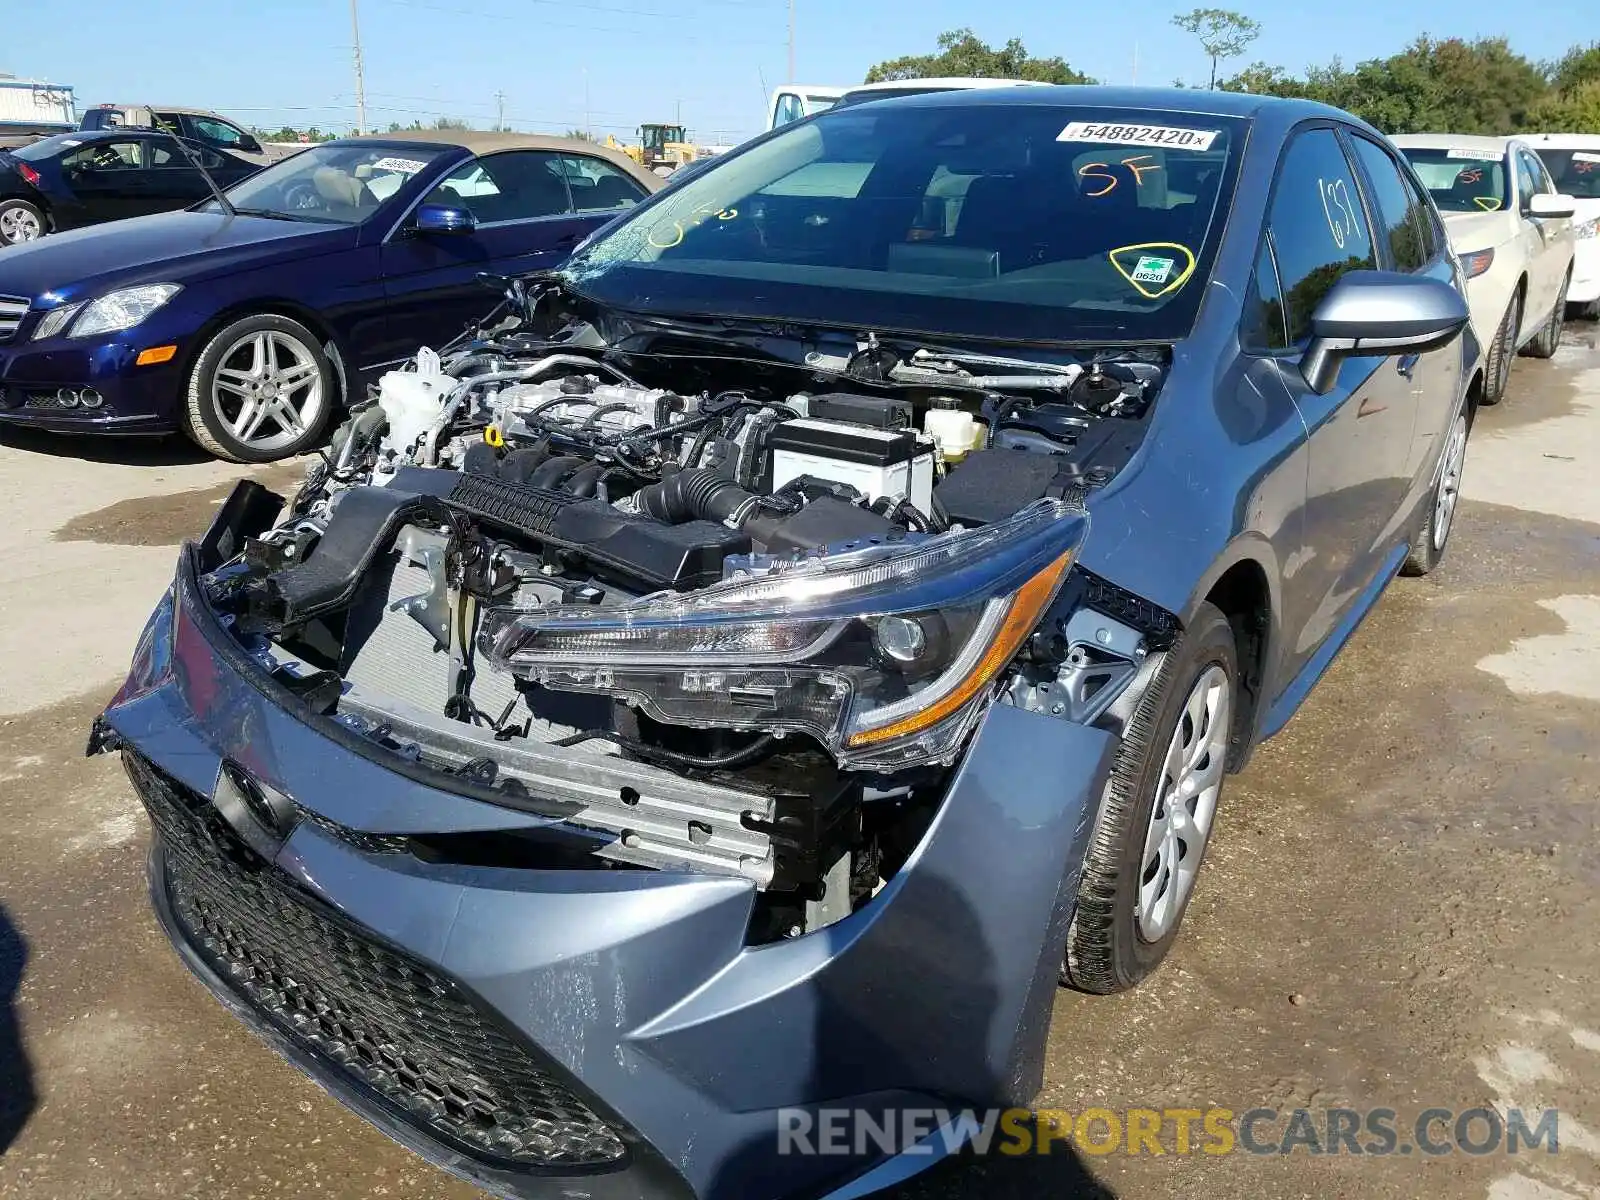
1243 586
272 306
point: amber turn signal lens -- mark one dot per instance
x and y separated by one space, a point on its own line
156 354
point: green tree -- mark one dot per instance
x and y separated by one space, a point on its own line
582 135
1578 66
1261 79
450 123
961 53
1576 110
1222 33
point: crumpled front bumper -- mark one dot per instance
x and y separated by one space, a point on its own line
633 990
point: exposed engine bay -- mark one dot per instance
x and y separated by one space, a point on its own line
779 599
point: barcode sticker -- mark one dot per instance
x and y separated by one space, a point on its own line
1139 135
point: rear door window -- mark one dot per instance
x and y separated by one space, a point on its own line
596 184
1319 228
1400 232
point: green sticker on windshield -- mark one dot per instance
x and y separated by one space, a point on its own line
1154 275
1150 269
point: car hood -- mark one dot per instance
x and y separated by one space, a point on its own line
176 247
1478 231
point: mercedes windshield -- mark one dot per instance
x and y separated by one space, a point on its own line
1020 222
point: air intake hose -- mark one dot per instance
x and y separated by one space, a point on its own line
696 495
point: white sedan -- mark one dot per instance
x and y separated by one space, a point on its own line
1512 231
1573 160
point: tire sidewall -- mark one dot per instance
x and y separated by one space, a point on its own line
204 424
1208 642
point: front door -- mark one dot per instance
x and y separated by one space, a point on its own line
525 222
1359 433
107 181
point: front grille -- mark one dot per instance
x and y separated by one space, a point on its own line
12 310
394 1024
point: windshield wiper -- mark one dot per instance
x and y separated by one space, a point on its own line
194 161
273 214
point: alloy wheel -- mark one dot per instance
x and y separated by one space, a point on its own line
18 225
267 390
1185 804
1451 466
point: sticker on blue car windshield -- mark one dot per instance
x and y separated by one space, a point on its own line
1139 135
1151 269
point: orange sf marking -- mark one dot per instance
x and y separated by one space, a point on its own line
1138 164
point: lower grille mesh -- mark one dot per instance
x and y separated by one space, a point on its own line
392 1023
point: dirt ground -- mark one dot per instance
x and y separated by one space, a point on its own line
1399 911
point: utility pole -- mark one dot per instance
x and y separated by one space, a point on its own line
499 110
588 130
361 83
791 78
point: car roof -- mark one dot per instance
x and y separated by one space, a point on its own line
479 141
1563 141
943 83
1461 141
1187 101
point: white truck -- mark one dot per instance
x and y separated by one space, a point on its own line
797 101
31 109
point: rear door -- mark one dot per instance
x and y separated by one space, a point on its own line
522 204
1410 242
1359 434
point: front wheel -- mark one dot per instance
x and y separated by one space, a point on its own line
1497 368
20 222
1548 340
1427 546
262 389
1156 813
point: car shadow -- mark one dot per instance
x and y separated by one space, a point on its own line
165 451
17 1097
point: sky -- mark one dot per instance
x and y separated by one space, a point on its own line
608 65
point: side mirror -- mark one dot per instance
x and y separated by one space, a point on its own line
444 218
1543 204
250 145
1379 312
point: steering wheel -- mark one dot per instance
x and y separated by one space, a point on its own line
302 196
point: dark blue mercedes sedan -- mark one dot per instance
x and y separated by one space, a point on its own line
248 320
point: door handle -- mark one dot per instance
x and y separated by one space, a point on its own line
1406 364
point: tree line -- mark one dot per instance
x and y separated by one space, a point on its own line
1450 85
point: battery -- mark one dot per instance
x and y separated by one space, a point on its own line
876 462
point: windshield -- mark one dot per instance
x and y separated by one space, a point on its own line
1461 179
47 147
340 182
1039 223
1576 172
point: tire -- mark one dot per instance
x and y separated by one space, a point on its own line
1548 340
20 222
1497 369
1438 515
261 390
1123 923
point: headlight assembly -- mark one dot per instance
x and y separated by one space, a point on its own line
54 321
122 309
886 655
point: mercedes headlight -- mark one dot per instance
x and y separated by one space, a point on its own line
122 309
886 655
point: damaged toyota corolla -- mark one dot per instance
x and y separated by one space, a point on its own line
812 625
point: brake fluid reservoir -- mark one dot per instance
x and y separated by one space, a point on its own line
952 429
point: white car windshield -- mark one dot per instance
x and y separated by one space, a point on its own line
1461 179
1576 172
340 183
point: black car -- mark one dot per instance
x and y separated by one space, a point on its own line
77 179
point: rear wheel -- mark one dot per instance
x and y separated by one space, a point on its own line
1156 813
1549 338
1427 546
20 222
1497 370
262 389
